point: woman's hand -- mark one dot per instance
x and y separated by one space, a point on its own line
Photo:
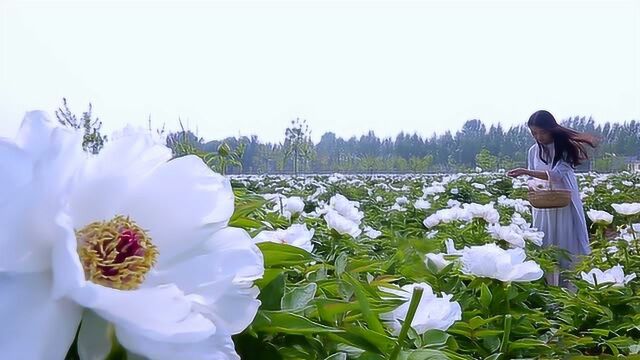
518 172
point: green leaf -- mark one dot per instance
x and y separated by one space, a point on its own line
487 332
297 298
272 293
245 223
435 338
289 323
337 356
329 309
476 322
382 342
491 343
370 316
599 332
341 263
527 344
423 354
485 296
494 357
281 255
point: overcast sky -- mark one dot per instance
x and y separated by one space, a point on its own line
237 67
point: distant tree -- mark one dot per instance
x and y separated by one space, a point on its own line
486 160
298 143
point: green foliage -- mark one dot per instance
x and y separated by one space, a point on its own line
327 305
486 160
92 141
185 143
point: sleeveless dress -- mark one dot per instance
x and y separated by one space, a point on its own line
564 227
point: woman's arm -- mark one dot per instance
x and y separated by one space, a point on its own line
538 174
556 174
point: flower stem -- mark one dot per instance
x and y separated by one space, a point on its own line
411 313
504 345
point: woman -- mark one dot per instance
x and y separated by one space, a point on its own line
558 150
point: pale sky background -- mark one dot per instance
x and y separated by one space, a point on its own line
238 67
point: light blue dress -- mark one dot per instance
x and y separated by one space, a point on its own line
564 227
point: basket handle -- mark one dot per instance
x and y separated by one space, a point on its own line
549 181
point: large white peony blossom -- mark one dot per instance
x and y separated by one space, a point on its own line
129 239
433 312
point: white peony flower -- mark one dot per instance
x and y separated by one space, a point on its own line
433 312
519 205
142 243
434 189
341 224
518 220
614 276
287 207
491 261
371 232
346 208
422 204
397 207
533 236
296 235
294 205
486 212
432 234
451 247
432 220
630 234
438 260
343 216
627 208
447 216
600 217
510 234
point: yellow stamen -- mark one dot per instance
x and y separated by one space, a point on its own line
116 253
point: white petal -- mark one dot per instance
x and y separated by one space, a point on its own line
236 254
161 312
228 253
68 274
219 275
110 176
231 308
28 229
34 326
181 204
527 271
34 132
94 339
16 169
27 213
217 347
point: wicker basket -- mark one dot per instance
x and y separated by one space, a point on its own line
549 199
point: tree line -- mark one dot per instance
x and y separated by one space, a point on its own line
474 145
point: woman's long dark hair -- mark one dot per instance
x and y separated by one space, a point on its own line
569 144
